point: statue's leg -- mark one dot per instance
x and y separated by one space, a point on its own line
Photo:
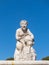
19 46
34 57
33 54
18 51
16 55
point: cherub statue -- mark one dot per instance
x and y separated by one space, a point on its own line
25 40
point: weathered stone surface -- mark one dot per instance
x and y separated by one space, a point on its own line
25 41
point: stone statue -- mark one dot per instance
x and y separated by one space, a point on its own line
25 41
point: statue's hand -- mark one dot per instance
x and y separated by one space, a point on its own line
20 37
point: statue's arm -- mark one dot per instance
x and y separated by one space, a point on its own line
18 37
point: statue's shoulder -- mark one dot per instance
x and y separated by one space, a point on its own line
19 29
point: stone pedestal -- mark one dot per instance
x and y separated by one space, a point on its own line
24 62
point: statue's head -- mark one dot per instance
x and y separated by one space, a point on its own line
23 24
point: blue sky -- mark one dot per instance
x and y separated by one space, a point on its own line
36 12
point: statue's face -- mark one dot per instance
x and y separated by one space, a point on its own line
23 25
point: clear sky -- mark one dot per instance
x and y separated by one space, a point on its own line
36 12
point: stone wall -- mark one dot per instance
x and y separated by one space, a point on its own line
24 62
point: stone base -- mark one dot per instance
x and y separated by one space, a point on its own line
24 62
